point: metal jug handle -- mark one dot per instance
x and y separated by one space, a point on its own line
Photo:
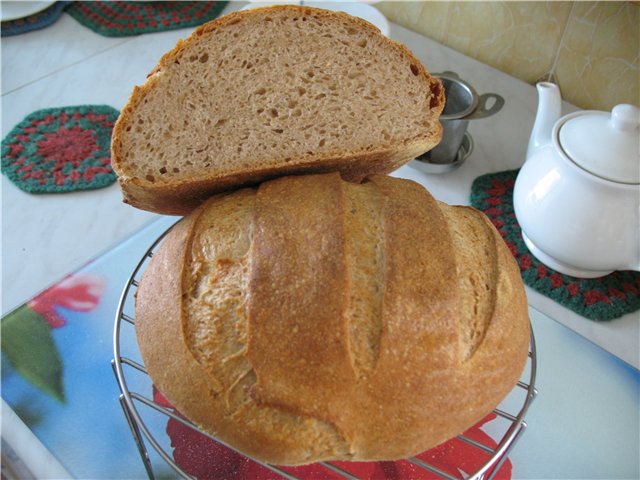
482 111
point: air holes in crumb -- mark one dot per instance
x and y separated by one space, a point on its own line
163 170
259 111
292 104
176 170
204 58
273 112
261 91
322 142
414 69
150 178
362 43
220 122
278 130
297 112
301 91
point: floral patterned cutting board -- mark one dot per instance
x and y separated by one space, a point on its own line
57 377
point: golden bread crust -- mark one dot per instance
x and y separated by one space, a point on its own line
253 319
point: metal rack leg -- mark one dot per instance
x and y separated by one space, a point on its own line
138 438
502 459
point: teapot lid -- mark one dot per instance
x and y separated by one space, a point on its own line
605 144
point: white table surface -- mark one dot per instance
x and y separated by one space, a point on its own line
45 237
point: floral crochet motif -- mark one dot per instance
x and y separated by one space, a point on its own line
61 150
120 19
603 298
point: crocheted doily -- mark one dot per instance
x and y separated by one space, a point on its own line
603 298
61 149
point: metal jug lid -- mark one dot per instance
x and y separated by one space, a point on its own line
605 144
461 97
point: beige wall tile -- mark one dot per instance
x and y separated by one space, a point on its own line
598 61
520 38
427 17
433 19
593 48
406 14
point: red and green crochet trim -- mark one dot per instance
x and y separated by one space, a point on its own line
599 299
120 19
61 149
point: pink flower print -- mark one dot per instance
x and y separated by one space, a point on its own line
206 459
80 293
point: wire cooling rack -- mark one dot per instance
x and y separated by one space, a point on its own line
138 407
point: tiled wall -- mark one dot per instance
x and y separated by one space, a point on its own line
592 49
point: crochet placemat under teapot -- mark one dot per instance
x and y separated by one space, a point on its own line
603 298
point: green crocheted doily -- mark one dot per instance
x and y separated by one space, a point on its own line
603 298
61 149
121 19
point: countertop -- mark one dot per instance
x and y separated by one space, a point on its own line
47 236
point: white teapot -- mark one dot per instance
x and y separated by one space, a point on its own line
577 197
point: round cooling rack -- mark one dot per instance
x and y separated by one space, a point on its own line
147 419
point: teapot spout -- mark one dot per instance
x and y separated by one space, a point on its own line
549 109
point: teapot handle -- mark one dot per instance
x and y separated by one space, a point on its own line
482 111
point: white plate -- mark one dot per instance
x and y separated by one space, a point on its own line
15 10
360 9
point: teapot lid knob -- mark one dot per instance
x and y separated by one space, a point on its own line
625 117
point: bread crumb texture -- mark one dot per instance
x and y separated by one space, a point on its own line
326 320
274 87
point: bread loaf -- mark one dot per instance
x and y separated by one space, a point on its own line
314 319
269 92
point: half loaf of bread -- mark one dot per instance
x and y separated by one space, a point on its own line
314 319
269 92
